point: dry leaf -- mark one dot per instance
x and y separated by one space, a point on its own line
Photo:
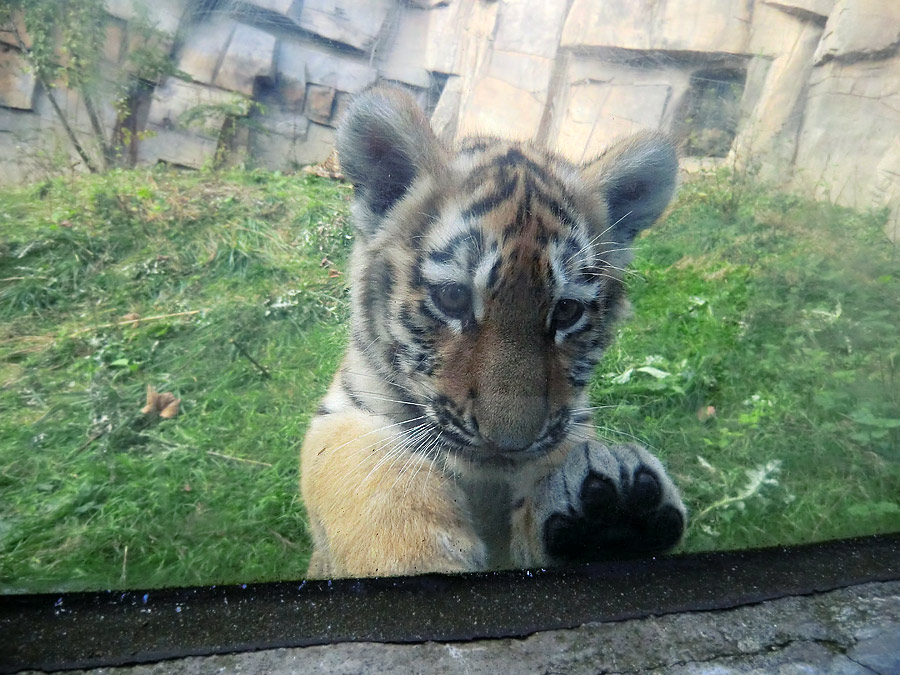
170 410
163 403
706 412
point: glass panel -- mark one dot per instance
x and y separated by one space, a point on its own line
179 287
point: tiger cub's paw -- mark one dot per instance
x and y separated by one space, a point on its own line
610 502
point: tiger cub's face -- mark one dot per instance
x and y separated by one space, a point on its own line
485 282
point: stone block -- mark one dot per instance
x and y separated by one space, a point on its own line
601 100
445 118
523 71
598 112
163 15
72 105
774 33
720 26
352 22
115 40
767 138
885 189
496 107
851 119
16 81
860 29
179 147
342 101
274 135
516 86
43 141
319 103
299 62
32 148
529 27
287 8
403 59
803 8
204 47
249 55
290 87
285 152
459 36
173 98
281 121
15 32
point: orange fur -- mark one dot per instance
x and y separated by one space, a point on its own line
353 497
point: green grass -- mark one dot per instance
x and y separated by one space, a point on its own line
784 316
781 314
84 475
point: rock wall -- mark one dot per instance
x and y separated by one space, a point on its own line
804 92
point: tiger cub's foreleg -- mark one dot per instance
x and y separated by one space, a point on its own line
375 508
603 502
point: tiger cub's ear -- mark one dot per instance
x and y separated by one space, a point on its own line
384 145
636 178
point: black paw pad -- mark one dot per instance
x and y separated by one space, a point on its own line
614 522
667 527
645 493
598 496
564 536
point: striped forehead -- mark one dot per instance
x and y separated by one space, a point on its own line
492 235
454 249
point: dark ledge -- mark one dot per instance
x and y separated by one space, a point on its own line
79 630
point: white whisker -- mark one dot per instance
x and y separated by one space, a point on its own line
379 397
396 450
591 242
375 431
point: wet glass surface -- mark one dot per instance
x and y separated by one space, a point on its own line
170 324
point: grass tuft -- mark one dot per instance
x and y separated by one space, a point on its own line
761 363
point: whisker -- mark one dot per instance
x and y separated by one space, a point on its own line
591 242
621 248
392 383
601 274
609 265
410 457
374 431
423 451
433 460
593 407
379 444
406 438
399 449
379 379
379 397
617 431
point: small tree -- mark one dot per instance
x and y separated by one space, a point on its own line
67 39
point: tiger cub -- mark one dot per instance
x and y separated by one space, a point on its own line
457 434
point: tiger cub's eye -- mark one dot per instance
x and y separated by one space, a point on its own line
566 313
454 300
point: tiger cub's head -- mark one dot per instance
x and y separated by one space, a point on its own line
485 280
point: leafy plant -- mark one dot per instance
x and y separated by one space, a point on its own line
67 40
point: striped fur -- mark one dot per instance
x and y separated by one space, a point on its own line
465 367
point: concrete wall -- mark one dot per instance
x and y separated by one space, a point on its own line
806 92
